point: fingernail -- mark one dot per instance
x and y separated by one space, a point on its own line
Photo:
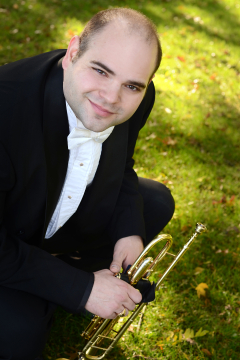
114 267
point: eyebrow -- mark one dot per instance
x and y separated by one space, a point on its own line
132 82
103 66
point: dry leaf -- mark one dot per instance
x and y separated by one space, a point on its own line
224 312
70 33
201 290
207 352
213 76
181 58
170 141
131 328
73 356
169 111
198 270
152 136
190 341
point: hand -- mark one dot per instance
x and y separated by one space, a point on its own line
111 295
126 251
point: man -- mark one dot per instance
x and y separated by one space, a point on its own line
70 200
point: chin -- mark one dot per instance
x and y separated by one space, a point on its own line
95 127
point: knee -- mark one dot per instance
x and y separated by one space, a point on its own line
156 197
23 340
164 200
159 206
25 324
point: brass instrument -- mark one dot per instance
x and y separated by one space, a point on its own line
101 331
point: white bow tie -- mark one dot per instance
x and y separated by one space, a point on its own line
78 136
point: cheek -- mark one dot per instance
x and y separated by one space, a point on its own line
89 81
132 103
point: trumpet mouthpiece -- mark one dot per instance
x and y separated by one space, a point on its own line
200 228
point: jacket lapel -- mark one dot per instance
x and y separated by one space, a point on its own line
100 196
56 130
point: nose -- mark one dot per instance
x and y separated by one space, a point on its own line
111 93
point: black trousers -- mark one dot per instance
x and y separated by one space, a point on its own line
25 320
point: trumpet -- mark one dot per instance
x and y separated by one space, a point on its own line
103 334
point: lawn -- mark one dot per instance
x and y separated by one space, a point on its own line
191 143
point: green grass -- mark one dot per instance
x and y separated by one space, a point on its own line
191 143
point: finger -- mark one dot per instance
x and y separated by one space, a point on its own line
116 264
123 313
134 295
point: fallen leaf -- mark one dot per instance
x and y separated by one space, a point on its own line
232 229
198 270
190 341
201 290
224 312
70 33
72 356
213 76
152 136
169 141
207 352
131 328
181 58
189 333
201 332
226 52
169 111
232 198
223 200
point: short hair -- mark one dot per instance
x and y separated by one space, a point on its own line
136 22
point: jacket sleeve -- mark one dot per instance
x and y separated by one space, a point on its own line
128 218
28 268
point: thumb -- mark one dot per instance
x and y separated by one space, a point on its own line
116 263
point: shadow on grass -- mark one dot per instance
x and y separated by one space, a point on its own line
170 14
222 17
208 145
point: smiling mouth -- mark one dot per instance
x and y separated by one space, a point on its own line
100 110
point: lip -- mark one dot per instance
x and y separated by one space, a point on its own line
100 110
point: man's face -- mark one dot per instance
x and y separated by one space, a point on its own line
105 86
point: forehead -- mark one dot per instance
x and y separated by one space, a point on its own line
124 52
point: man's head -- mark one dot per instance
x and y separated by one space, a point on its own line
107 69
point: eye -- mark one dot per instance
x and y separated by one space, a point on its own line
133 88
99 71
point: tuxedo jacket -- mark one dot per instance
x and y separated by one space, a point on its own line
33 164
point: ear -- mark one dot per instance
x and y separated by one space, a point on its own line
151 78
71 52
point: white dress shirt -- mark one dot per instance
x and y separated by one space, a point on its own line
83 161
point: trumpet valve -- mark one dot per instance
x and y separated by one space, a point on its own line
141 270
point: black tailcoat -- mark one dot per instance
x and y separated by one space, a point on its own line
33 164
